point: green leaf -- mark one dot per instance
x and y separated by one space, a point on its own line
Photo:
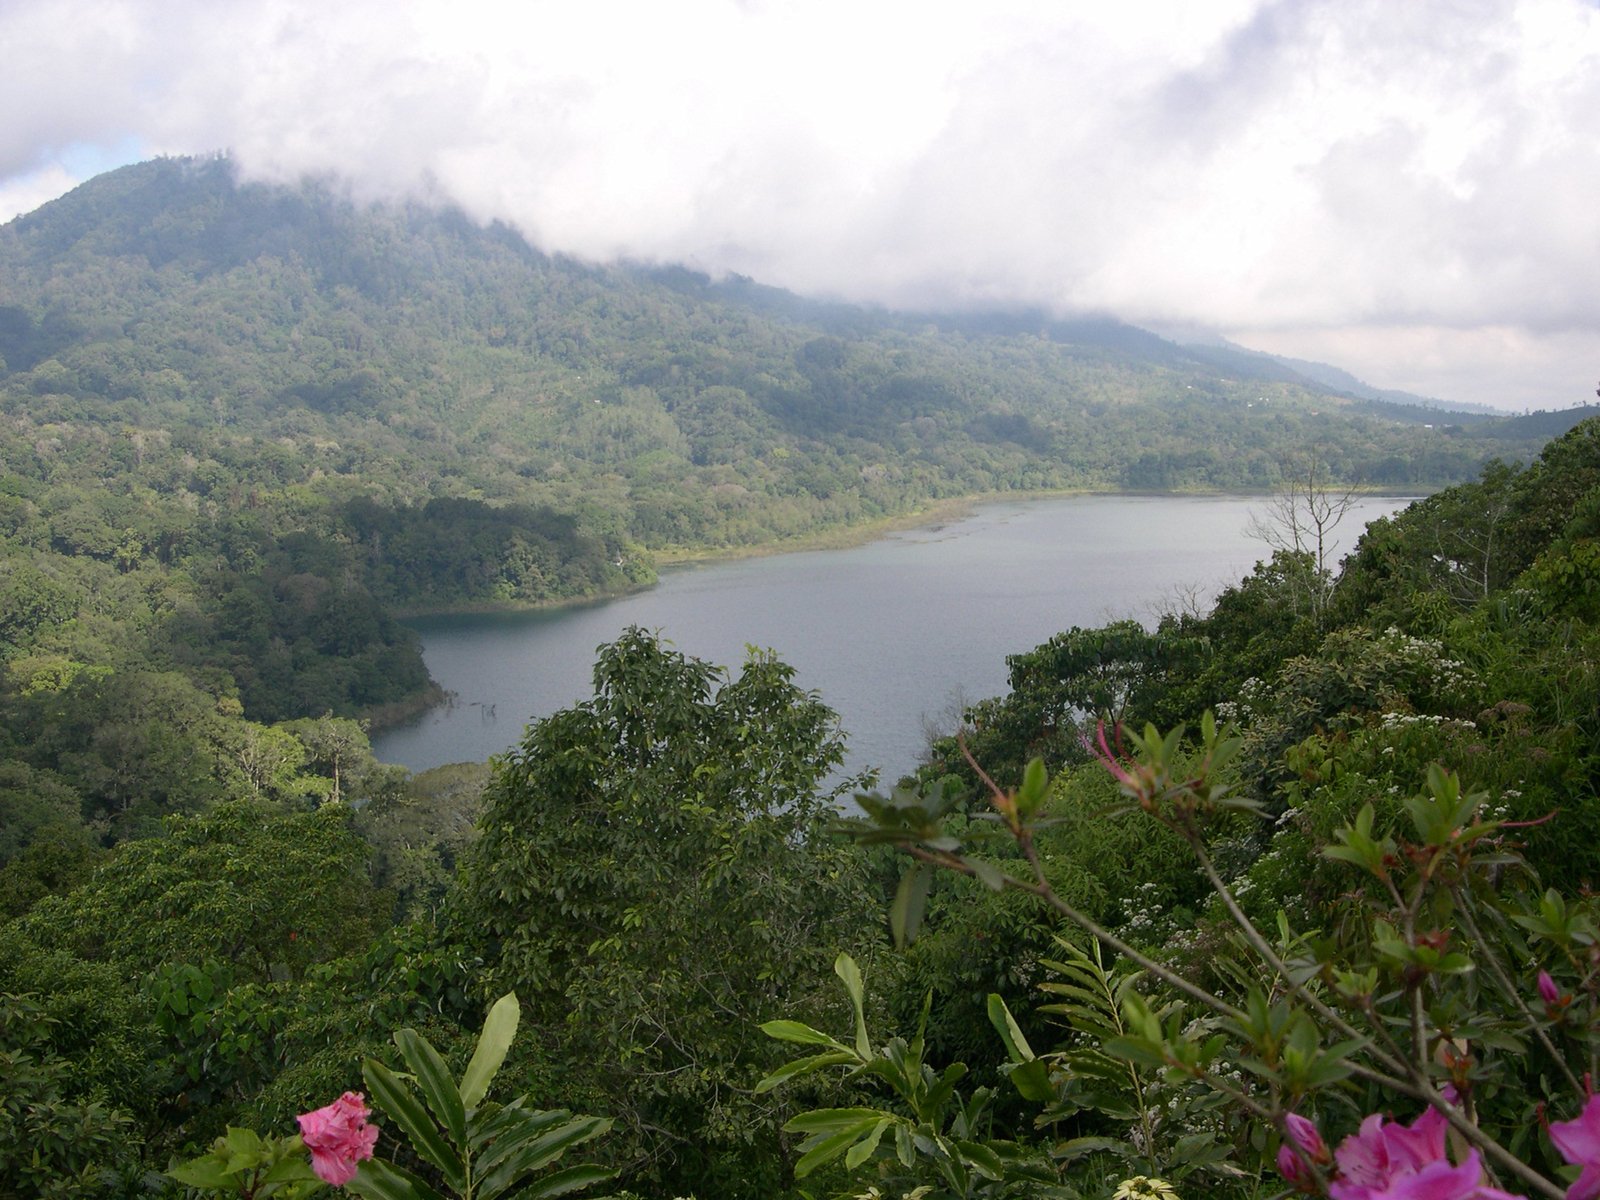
433 1077
1035 787
829 1148
569 1179
510 1158
991 876
820 1120
1138 1050
904 1149
290 1170
1077 1147
1032 1081
984 1160
379 1180
862 1150
499 1027
204 1172
845 968
396 1099
804 1066
910 902
1006 1026
795 1031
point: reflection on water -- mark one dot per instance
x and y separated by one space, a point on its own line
897 635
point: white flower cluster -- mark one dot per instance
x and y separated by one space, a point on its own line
1399 720
1146 916
1427 658
1242 708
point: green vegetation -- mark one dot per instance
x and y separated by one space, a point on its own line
226 353
244 426
654 874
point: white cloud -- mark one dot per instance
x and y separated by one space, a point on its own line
24 193
1372 177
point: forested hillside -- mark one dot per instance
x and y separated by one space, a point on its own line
225 344
243 426
656 871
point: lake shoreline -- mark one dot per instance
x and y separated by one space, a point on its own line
889 633
932 516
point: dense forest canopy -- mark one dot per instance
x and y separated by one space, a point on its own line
606 867
242 427
246 424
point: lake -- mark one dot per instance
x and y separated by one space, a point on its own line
896 634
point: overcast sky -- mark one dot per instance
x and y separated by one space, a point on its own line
1407 188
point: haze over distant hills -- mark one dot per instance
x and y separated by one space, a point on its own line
281 348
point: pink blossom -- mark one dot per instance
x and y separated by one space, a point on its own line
338 1137
1406 1162
1307 1149
1437 1180
1378 1152
1547 989
1307 1137
1579 1143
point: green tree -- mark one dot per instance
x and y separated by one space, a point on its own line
653 877
268 891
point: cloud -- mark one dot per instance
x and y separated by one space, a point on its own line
24 193
1350 173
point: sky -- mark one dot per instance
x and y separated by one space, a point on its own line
1409 189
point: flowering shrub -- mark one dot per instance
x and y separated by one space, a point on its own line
1449 981
480 1150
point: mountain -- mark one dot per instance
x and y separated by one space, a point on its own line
243 426
253 347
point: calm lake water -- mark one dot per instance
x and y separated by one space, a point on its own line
896 634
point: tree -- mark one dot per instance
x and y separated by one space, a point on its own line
1078 675
652 878
1301 519
269 892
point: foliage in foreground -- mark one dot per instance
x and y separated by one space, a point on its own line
475 1148
1447 980
1404 672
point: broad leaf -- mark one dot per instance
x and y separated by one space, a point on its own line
910 902
795 1031
862 1150
505 1164
433 1077
1006 1026
379 1180
845 968
804 1066
499 1027
397 1100
821 1120
569 1179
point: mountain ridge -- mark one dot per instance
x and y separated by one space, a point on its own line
404 354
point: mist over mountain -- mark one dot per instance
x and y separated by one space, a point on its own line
406 353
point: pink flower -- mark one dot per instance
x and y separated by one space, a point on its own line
1378 1153
1407 1162
1579 1143
1436 1181
1307 1137
1307 1149
1548 992
338 1137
